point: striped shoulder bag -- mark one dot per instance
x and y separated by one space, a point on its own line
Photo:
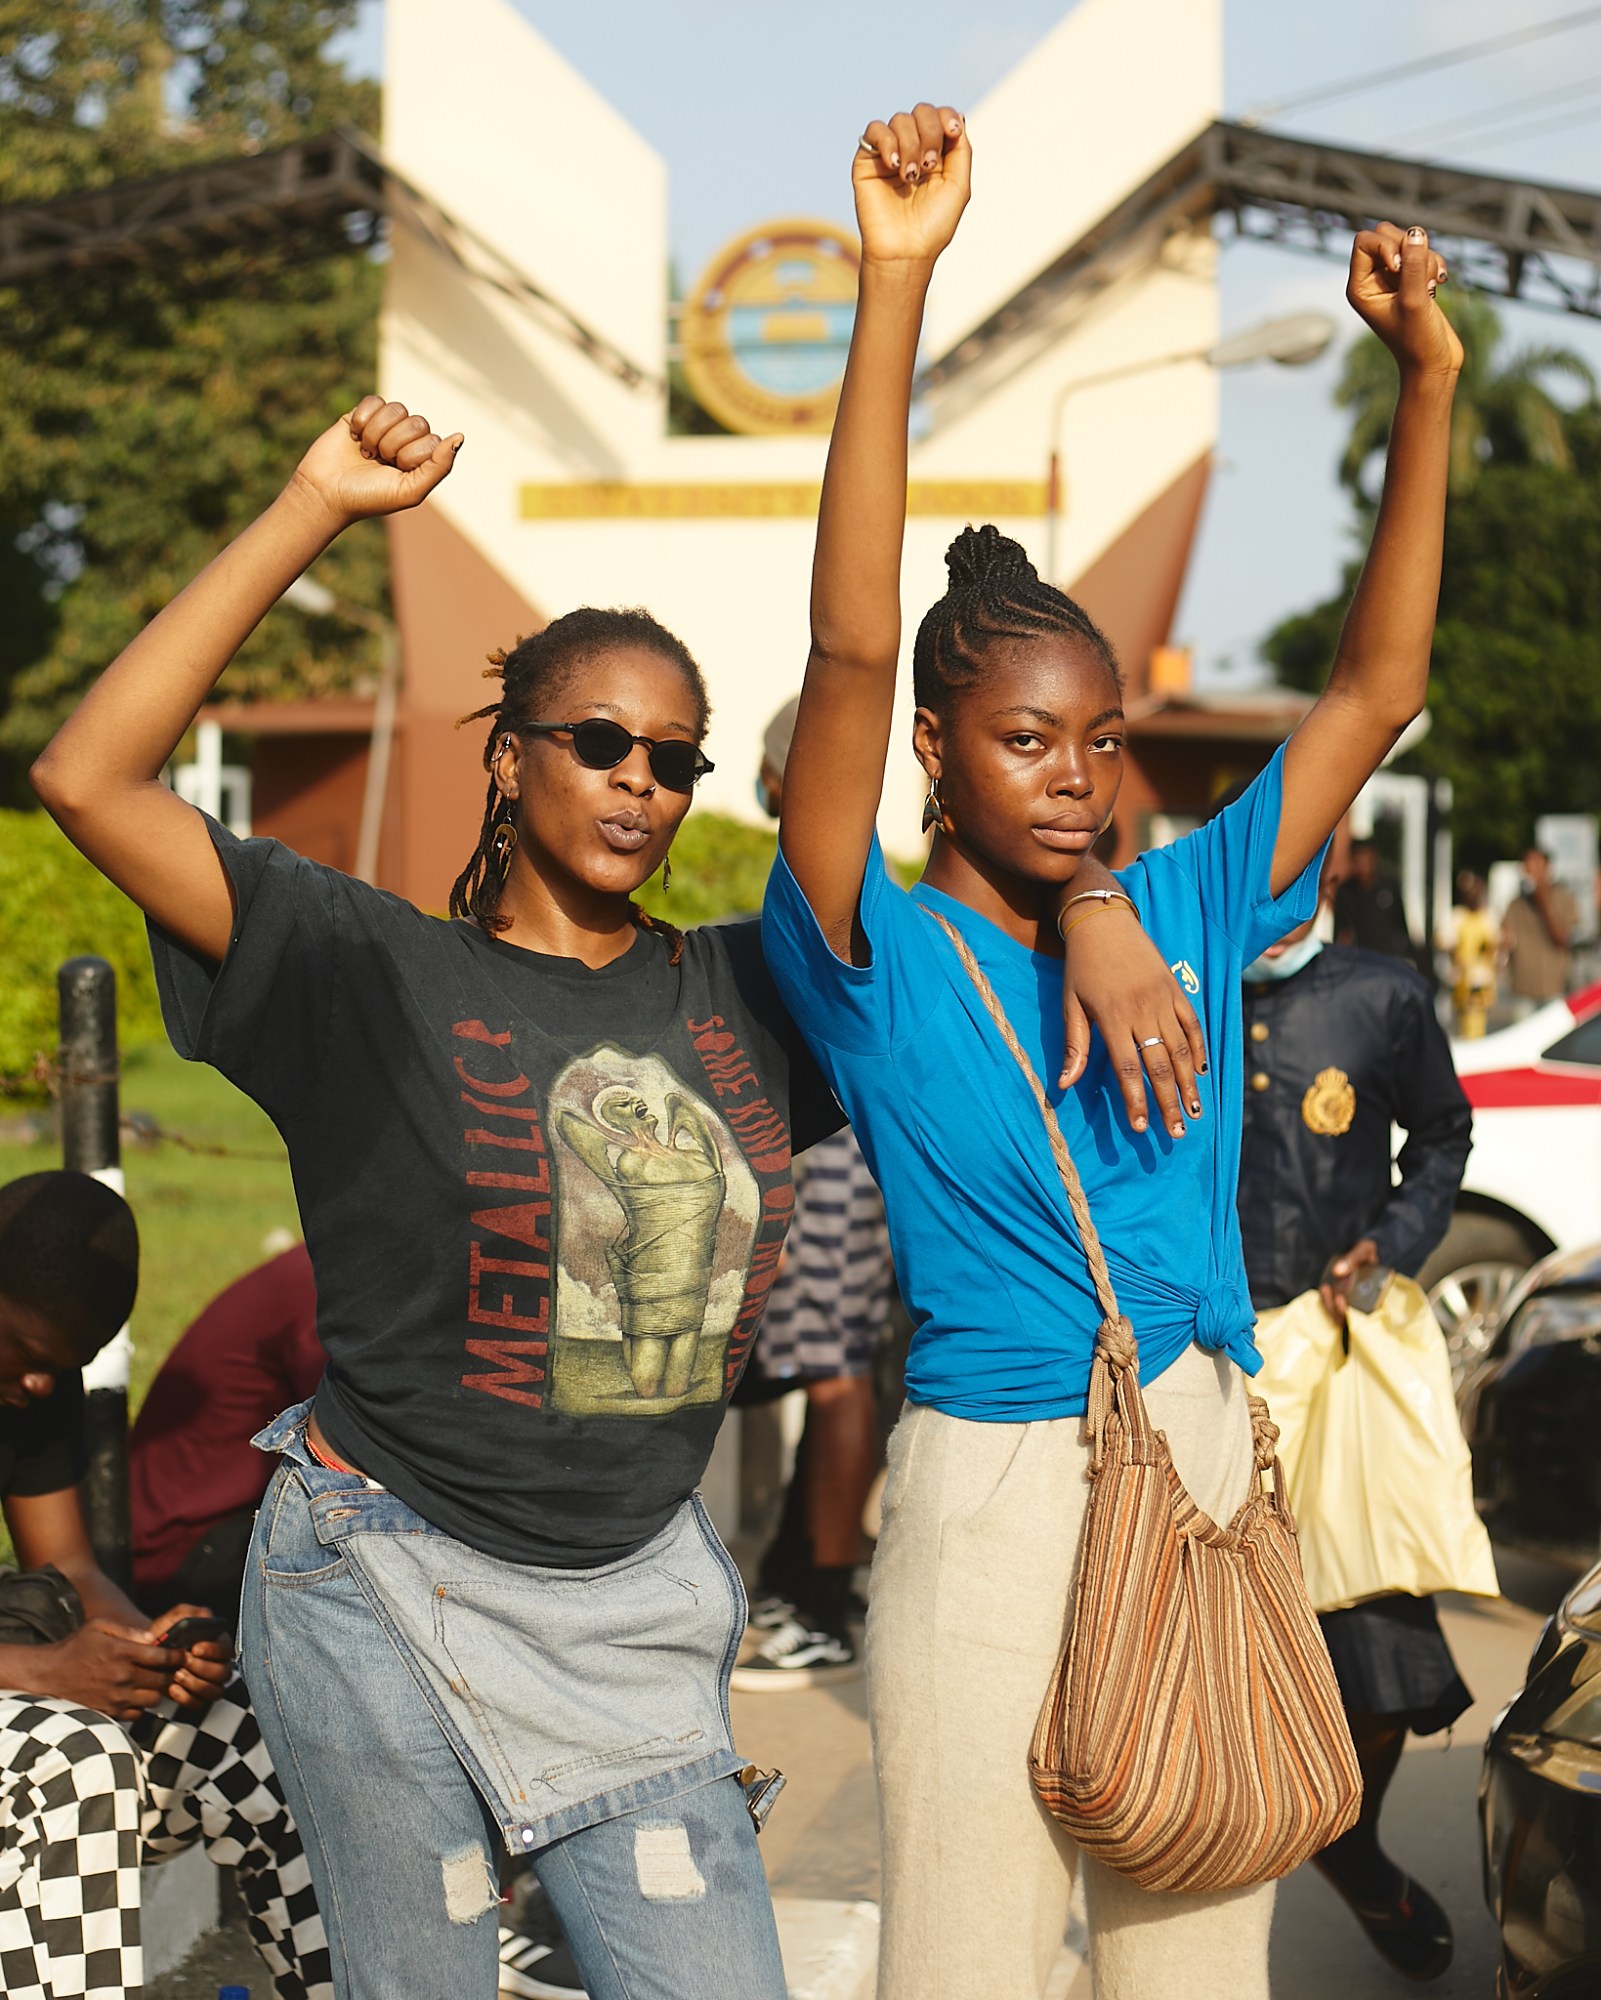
1192 1737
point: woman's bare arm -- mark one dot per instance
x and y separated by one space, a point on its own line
1380 676
911 188
100 776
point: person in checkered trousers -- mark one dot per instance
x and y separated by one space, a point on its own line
115 1750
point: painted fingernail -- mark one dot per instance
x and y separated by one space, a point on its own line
1395 261
1177 1128
1139 1124
930 162
1416 235
911 173
1195 1109
894 159
954 126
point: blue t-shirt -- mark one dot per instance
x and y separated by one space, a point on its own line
986 1253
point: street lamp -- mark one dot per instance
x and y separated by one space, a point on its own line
1291 341
305 594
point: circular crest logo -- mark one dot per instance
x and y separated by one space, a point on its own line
765 333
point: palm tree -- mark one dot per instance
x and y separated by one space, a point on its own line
1504 410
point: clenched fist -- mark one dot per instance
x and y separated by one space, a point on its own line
377 459
912 178
1393 278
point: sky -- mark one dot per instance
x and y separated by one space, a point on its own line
743 99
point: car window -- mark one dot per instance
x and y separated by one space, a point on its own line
1580 1045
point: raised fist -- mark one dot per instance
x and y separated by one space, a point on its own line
378 459
912 178
1393 278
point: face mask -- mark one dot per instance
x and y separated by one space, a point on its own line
1287 963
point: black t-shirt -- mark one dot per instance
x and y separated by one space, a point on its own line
544 1203
41 1447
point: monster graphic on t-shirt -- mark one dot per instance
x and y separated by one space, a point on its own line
657 1181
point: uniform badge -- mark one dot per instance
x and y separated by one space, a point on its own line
1330 1105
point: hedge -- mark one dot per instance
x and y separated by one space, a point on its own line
54 906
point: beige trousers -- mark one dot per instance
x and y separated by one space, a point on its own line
972 1594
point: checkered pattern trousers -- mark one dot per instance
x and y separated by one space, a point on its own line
85 1802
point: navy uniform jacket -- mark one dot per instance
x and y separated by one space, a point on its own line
1334 1055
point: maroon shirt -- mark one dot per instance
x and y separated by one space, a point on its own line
250 1354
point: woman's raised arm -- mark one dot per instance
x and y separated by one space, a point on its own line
911 179
100 776
1380 677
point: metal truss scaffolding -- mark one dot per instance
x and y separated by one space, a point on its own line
1520 239
314 198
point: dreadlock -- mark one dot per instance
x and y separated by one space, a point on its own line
532 675
994 593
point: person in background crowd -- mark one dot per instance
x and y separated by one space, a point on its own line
194 1477
1473 942
116 1749
824 1319
1367 906
1341 1046
1536 935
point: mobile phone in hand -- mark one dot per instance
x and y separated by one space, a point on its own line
191 1631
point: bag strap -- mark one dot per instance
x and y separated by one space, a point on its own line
1114 1372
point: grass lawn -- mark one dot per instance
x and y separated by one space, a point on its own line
203 1218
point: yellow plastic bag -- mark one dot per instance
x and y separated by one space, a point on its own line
1378 1469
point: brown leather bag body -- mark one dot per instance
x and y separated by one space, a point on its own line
1192 1737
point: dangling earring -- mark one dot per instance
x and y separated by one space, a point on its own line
934 813
501 843
667 873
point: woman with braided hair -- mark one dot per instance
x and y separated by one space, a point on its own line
1019 729
542 1155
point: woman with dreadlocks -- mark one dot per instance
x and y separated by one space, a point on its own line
1019 729
542 1155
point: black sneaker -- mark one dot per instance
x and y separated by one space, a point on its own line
535 1969
768 1611
796 1656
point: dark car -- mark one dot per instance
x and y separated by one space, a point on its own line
1531 1409
1540 1809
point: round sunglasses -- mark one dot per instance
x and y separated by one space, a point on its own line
602 745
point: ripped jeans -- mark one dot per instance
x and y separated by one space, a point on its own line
428 1707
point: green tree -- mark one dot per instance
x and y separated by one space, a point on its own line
147 413
1515 689
1504 411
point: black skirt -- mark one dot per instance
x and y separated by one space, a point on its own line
1390 1658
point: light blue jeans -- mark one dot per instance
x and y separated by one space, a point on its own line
427 1706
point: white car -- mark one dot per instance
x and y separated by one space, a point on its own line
1533 1183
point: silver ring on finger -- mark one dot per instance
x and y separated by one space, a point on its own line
1153 1042
867 146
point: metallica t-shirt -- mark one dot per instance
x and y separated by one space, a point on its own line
544 1203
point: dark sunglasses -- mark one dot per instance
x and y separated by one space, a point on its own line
603 745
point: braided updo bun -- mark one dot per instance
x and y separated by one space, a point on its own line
994 593
983 555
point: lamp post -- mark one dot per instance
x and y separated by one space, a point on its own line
321 602
1291 341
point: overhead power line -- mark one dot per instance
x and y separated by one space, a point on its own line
1535 130
1378 76
1472 124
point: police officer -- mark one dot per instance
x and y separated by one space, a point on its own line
1341 1046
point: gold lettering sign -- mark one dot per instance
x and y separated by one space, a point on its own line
619 500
